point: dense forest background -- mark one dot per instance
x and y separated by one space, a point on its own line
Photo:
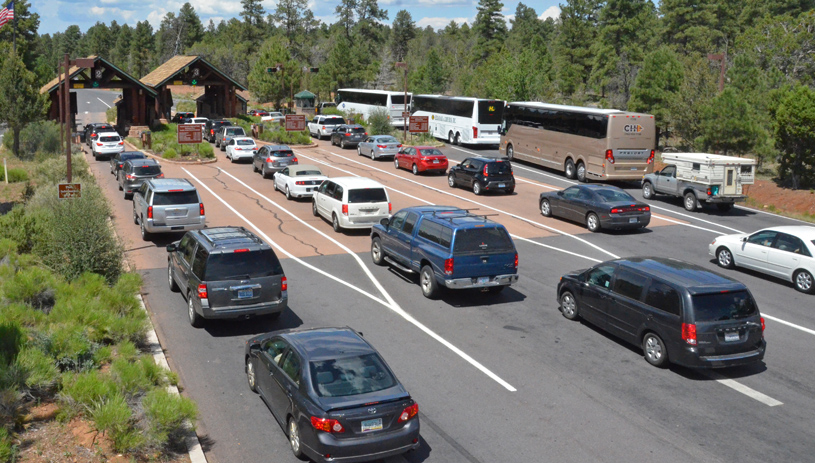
627 54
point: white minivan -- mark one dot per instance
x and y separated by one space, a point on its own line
351 202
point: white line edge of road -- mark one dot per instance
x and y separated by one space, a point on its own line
191 439
391 305
103 102
748 391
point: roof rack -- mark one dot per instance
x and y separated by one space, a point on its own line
466 212
217 236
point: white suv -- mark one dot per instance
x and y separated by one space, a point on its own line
351 202
107 144
323 126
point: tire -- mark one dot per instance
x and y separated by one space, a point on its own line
377 255
593 222
251 375
145 235
288 194
171 279
654 350
581 172
451 181
804 282
476 188
396 163
127 196
690 201
263 171
274 186
415 169
359 151
118 180
427 281
510 152
314 208
451 139
497 289
135 216
223 148
724 258
342 144
546 208
569 170
724 207
254 167
457 140
335 222
294 439
231 159
647 190
195 320
568 306
373 156
509 191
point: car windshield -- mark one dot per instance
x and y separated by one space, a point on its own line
235 131
431 152
171 198
276 114
350 376
108 139
612 196
147 170
302 173
499 167
245 142
480 240
367 195
386 140
282 154
357 130
723 306
333 121
242 265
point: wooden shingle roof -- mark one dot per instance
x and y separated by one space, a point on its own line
75 70
162 74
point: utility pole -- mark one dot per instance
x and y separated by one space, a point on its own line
402 64
66 108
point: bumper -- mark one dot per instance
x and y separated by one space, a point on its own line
153 227
362 221
385 153
624 222
300 191
496 185
368 448
273 168
466 283
723 199
691 357
349 142
130 187
241 155
242 311
428 167
109 151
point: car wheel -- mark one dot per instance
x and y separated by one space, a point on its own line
335 222
724 258
251 376
254 167
509 191
569 170
118 180
314 208
415 169
690 201
263 171
294 439
496 289
396 163
231 159
647 190
127 196
510 152
581 172
171 279
451 139
195 320
724 207
111 169
359 151
592 222
546 208
803 282
288 194
476 188
427 280
145 235
376 252
274 185
373 156
342 144
654 350
451 181
568 306
135 215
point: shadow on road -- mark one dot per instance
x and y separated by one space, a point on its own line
257 325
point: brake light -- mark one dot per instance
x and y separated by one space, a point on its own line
120 165
516 261
366 133
121 142
241 250
201 208
99 144
284 284
294 160
390 208
709 192
160 176
130 176
399 145
650 158
448 266
475 132
149 212
300 182
323 127
344 209
326 425
689 333
348 134
408 413
762 324
645 209
610 156
616 210
202 291
212 131
382 146
486 174
269 159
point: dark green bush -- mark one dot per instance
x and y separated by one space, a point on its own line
37 137
169 153
112 416
280 136
379 122
87 389
166 414
205 150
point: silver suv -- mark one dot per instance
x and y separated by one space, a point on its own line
227 133
167 205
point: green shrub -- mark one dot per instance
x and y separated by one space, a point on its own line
37 137
110 114
205 150
138 376
166 414
17 174
41 373
87 389
169 153
112 415
127 350
8 451
22 314
379 122
70 346
33 285
281 136
12 340
103 355
186 107
332 111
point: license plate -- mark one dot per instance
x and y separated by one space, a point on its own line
632 220
372 425
730 337
244 293
633 168
501 185
483 280
435 161
309 189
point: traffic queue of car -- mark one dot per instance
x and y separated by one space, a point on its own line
348 405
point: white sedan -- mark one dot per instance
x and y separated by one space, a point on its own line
784 252
274 117
299 181
241 148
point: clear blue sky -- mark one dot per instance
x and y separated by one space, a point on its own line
56 15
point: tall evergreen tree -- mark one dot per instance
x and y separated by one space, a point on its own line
253 15
26 23
577 31
142 48
71 42
346 15
657 87
490 29
97 40
295 21
193 29
795 137
20 98
690 25
275 86
121 50
403 31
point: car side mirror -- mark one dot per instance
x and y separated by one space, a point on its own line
385 222
560 193
744 240
172 248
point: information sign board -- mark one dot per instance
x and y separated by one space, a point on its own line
69 190
190 133
295 122
418 124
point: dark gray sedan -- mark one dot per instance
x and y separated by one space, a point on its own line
598 206
378 146
270 159
116 162
332 393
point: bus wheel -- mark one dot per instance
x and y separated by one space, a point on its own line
569 170
451 138
458 139
510 152
581 172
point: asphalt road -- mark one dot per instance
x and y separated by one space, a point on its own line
498 378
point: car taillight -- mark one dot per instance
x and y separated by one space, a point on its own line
300 182
709 192
99 144
382 146
516 261
408 413
344 209
762 324
269 159
323 127
366 133
650 158
390 208
130 176
475 132
284 284
202 291
149 212
399 145
616 210
201 208
348 134
160 176
610 156
241 250
212 132
326 425
294 160
121 142
485 171
689 333
120 165
448 266
645 209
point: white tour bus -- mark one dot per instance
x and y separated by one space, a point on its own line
461 120
364 101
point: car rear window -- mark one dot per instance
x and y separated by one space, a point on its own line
350 376
386 140
235 130
357 130
499 168
129 156
367 195
147 170
282 154
431 152
109 139
610 196
172 198
333 121
723 306
243 265
480 240
245 142
301 173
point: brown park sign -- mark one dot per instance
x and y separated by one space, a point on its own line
69 190
295 122
418 124
190 133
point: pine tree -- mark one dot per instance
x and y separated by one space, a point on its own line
690 25
253 15
577 31
295 20
193 29
490 29
346 15
657 86
795 137
273 86
71 42
121 50
20 98
27 23
403 31
141 48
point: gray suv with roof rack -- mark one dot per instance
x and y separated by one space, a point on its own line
226 272
167 205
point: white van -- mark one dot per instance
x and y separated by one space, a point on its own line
351 202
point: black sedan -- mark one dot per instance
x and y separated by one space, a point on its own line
116 162
335 397
598 206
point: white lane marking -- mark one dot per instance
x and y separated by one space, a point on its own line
477 203
748 391
695 218
792 325
103 102
86 112
752 209
391 304
88 102
662 217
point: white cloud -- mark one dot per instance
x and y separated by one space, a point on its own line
155 17
440 23
551 12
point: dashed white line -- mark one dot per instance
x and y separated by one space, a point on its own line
748 391
784 322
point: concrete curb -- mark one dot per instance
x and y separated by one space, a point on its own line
132 147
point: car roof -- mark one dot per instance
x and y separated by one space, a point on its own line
302 167
230 237
328 343
132 153
598 187
144 162
806 232
353 126
167 184
357 182
488 159
244 138
453 216
425 147
108 133
694 278
279 147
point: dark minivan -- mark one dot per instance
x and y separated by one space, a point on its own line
676 311
226 272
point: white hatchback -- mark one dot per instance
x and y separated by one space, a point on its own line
299 181
351 202
784 252
240 148
107 144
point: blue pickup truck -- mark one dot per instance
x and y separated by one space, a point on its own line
449 247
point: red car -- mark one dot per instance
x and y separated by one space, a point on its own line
421 159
